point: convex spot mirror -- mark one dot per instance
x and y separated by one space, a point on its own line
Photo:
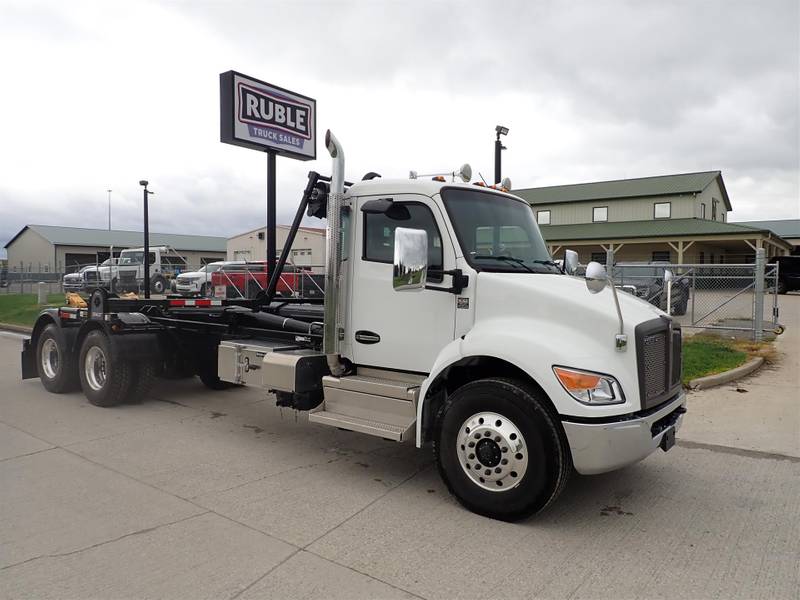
570 262
386 206
596 278
410 270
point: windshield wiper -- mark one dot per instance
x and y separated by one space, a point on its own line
547 262
511 259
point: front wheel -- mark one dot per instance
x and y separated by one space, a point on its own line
500 450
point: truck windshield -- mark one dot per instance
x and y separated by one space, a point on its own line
497 233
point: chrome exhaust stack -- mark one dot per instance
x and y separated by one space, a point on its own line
332 330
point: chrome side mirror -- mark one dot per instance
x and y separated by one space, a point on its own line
668 276
596 277
410 259
570 262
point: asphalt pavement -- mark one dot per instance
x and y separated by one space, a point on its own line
201 494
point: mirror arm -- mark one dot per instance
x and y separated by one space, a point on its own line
460 281
621 339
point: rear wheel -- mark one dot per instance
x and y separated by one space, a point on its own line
158 285
55 364
782 287
105 378
142 380
500 450
203 291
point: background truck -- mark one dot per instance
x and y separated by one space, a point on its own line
432 329
128 272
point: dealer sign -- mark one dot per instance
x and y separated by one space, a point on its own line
261 116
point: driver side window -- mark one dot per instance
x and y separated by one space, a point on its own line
379 236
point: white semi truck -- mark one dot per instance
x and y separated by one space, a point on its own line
445 322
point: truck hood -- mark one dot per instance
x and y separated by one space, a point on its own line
561 297
190 275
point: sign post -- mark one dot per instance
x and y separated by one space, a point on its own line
257 115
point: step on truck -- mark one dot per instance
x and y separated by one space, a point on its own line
445 322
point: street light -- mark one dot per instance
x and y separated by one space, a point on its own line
109 209
145 193
498 147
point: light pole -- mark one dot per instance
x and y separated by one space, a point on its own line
109 209
498 147
145 193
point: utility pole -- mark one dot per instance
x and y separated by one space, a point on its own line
498 148
109 209
145 193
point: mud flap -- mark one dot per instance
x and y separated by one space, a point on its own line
28 360
668 440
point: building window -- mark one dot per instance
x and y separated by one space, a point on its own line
661 256
599 214
703 210
261 235
599 257
702 258
713 210
543 217
662 210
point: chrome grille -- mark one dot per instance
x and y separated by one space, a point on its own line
654 356
658 358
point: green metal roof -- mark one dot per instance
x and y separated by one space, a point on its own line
619 230
786 228
79 236
661 185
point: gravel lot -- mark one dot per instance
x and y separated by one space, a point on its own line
195 494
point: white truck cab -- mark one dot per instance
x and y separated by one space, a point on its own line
517 371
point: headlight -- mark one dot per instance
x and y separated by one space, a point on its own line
589 388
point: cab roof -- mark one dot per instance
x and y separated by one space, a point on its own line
426 187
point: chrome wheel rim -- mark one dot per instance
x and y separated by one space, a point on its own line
94 367
492 452
50 358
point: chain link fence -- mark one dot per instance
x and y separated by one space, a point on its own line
741 299
233 279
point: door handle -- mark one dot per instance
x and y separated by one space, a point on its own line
367 337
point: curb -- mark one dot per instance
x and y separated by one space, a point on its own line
16 328
703 383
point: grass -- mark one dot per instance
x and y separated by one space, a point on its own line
709 354
21 309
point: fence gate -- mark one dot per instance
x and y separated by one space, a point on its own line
735 298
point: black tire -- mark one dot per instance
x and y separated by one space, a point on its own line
158 285
61 374
782 287
549 462
106 384
203 290
142 380
212 381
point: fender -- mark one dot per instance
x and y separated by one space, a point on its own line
69 335
534 345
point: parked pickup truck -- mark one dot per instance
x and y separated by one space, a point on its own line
198 283
645 280
432 329
87 278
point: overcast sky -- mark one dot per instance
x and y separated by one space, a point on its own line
99 95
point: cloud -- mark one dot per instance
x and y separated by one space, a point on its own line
105 94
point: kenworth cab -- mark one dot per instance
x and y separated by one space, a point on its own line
445 321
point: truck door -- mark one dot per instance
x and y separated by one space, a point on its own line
399 330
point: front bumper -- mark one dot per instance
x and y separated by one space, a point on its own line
187 288
601 447
73 286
